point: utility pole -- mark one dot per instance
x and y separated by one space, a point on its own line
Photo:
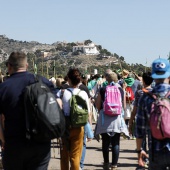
42 67
33 65
54 68
145 65
120 64
47 69
169 57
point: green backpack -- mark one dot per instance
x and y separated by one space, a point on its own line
78 110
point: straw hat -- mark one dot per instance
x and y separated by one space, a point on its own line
125 73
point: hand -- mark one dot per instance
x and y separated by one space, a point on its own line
92 101
130 128
142 155
124 85
2 144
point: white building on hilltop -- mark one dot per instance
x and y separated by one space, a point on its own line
89 49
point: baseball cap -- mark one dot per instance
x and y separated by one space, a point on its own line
160 68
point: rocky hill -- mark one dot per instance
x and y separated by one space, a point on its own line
60 54
9 45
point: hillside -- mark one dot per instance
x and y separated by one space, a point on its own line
60 54
9 45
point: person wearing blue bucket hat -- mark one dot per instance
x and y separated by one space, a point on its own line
150 105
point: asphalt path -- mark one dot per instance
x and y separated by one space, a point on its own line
94 159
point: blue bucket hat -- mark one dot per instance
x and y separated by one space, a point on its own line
160 68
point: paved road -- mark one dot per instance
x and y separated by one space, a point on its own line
94 159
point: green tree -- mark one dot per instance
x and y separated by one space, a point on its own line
87 42
99 47
122 58
59 47
53 50
115 55
105 52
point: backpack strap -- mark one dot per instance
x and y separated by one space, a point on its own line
72 92
167 95
154 96
79 92
79 85
27 123
37 78
62 93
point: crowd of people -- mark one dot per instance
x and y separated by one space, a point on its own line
130 117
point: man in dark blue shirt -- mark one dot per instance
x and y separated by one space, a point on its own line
19 153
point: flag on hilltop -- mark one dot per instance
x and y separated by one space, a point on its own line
35 69
118 71
86 72
169 57
54 65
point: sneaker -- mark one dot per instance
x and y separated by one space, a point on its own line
106 166
140 168
146 166
146 161
125 137
114 167
133 138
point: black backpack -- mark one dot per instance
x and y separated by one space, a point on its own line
44 118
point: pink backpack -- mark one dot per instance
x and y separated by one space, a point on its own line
112 104
160 117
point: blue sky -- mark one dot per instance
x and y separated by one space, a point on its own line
135 29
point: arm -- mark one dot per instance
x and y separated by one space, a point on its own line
136 76
141 129
98 102
133 114
90 114
138 94
59 101
124 101
1 132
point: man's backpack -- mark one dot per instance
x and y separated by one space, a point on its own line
44 118
129 94
112 104
78 110
160 117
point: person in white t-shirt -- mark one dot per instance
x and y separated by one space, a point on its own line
72 153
